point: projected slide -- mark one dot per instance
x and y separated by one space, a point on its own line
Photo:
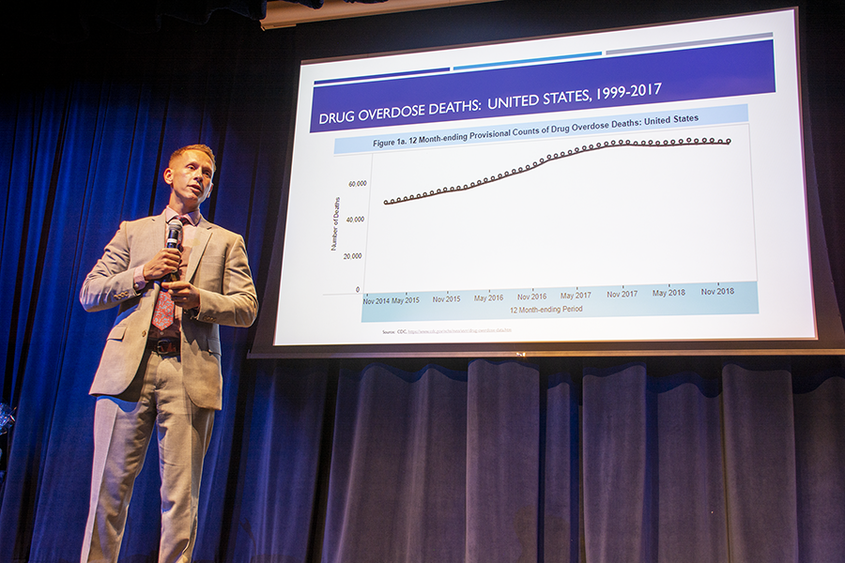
634 185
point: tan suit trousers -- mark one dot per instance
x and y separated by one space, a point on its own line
156 400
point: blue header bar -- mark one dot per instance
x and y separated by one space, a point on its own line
380 76
530 61
646 78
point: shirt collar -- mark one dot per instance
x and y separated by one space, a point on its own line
193 217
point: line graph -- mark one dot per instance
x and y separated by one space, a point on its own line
597 210
551 157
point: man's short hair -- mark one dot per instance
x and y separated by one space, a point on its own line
201 148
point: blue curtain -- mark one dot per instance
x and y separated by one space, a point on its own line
588 460
568 462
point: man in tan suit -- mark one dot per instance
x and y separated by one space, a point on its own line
162 374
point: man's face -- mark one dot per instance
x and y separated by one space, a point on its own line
189 176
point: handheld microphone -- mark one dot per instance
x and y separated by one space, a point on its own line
174 239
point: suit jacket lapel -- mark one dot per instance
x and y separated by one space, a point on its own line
152 244
156 239
201 241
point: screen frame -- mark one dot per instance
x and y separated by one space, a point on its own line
830 334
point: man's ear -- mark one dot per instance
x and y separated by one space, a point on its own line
168 176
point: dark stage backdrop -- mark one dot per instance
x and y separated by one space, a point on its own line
566 460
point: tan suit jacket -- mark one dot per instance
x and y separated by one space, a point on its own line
217 266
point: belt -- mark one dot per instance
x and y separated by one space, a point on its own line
165 346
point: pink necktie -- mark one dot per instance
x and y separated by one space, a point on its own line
163 314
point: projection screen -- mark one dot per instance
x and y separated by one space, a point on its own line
626 191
